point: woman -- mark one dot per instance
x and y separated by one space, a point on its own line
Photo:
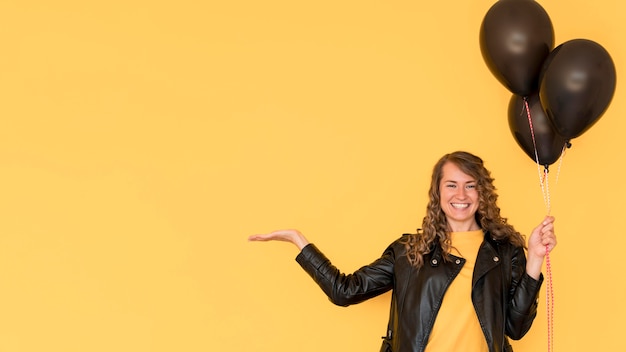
461 283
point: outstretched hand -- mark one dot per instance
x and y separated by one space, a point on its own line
541 241
292 236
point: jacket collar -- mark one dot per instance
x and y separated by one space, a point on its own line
488 257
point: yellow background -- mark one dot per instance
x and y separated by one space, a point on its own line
141 142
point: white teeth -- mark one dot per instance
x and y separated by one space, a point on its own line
460 206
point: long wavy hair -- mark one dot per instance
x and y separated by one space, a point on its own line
435 227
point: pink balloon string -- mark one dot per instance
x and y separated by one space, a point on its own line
550 302
545 190
543 177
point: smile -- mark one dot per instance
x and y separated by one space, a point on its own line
459 205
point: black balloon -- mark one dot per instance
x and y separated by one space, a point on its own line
548 142
516 36
577 85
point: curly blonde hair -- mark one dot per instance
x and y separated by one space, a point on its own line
435 226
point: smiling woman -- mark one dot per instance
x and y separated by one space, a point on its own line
459 198
463 274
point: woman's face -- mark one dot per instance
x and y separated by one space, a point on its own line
459 198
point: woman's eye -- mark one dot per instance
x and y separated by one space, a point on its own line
471 186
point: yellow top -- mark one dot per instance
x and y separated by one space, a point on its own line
456 326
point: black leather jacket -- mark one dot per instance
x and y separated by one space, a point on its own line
504 296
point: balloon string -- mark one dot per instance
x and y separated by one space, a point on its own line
543 179
550 291
558 171
547 190
550 302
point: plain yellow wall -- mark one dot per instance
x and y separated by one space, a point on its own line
141 142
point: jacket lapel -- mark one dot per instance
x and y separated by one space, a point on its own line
487 260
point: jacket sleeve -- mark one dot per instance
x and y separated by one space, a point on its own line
524 293
346 289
